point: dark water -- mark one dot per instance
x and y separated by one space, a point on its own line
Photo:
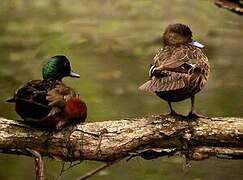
111 44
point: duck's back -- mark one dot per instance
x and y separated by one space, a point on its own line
30 99
183 71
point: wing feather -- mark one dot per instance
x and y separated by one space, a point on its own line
174 68
171 82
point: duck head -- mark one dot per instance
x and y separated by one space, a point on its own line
179 34
57 68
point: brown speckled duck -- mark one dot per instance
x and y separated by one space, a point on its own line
180 68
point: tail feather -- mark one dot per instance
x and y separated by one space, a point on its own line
11 100
14 99
162 84
148 86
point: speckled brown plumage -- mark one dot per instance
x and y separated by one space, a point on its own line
180 69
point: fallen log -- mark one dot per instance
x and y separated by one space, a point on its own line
109 141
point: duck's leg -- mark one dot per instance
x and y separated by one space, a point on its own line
172 112
193 114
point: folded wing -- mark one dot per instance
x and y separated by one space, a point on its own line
172 70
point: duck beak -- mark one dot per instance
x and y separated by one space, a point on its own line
74 75
197 44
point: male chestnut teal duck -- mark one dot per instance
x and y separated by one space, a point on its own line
180 68
49 102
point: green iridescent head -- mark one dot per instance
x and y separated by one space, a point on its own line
57 68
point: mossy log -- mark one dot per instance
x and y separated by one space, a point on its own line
148 137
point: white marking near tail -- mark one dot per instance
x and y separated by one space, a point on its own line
151 70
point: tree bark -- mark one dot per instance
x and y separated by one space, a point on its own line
109 141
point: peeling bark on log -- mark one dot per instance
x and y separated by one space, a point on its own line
148 137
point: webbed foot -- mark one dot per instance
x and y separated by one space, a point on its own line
175 114
195 115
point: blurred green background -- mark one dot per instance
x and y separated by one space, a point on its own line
111 44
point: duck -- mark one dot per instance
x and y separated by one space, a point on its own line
49 103
180 69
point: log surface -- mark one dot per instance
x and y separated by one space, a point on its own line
148 137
